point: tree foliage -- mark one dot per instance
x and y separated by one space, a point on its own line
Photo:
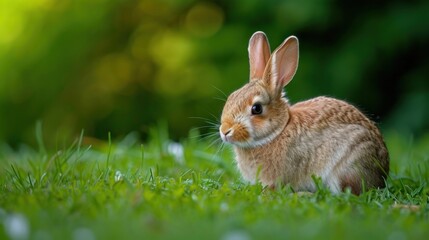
120 66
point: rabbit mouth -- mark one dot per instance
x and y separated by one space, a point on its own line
225 137
228 135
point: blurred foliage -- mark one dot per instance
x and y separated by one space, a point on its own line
120 66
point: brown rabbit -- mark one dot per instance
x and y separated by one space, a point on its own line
275 142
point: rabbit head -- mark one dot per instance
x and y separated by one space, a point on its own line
256 113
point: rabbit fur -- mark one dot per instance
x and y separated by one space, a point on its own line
278 143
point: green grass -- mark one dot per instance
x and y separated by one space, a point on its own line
127 190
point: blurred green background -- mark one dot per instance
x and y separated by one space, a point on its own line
122 66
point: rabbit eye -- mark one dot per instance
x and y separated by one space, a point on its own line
256 109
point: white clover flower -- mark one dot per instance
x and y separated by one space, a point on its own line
176 150
118 176
236 235
224 207
83 234
16 226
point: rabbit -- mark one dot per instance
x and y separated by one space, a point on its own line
278 143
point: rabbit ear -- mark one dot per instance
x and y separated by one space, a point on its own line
259 54
282 65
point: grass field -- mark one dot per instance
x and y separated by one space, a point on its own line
95 189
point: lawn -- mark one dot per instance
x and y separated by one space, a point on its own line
123 189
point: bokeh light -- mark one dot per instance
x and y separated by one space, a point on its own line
123 66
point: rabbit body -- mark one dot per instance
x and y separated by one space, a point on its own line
275 142
324 137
